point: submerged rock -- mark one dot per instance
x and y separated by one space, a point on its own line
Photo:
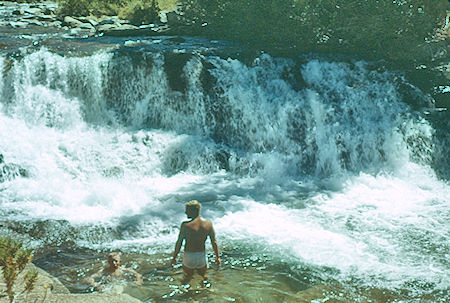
49 289
10 171
114 171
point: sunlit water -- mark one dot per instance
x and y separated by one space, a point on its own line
317 176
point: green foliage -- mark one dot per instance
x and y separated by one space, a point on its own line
24 1
141 12
373 28
136 11
167 4
13 260
88 7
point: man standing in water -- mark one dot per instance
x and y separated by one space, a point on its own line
195 232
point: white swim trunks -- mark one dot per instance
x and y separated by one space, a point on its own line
195 260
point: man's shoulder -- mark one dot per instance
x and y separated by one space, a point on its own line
206 222
186 224
104 271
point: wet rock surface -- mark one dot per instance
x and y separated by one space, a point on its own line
9 171
29 16
25 27
50 289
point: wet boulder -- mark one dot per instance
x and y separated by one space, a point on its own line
72 22
10 171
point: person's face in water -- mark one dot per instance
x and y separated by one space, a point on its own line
114 262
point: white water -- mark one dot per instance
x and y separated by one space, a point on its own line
321 176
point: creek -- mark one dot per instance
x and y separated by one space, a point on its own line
319 174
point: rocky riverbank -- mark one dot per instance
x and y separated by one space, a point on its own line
48 289
42 15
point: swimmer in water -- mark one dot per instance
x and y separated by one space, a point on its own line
114 271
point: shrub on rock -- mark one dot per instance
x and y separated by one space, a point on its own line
13 260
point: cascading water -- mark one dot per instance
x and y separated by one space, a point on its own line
319 166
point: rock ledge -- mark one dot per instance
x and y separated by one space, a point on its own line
48 289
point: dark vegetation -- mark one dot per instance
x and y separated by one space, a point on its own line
401 32
397 30
136 11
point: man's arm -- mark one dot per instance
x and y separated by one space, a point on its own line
139 280
181 237
91 280
212 237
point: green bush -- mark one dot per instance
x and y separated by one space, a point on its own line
136 11
13 260
141 12
373 28
88 7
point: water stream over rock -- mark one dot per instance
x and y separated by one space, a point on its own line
325 178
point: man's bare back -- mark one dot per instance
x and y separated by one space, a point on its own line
194 233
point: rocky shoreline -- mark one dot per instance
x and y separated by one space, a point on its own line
49 289
15 15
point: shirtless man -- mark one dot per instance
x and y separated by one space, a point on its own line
194 233
113 271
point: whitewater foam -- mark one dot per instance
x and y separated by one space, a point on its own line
333 173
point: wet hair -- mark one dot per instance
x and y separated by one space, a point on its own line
113 255
193 207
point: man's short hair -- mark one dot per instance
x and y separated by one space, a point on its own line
193 206
113 255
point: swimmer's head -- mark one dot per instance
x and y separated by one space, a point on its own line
114 260
193 209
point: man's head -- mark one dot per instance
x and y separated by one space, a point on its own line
193 209
114 260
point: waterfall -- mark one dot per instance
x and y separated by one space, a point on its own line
320 162
345 118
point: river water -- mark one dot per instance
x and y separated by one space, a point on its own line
318 174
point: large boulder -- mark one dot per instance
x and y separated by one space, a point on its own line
75 23
105 27
32 11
